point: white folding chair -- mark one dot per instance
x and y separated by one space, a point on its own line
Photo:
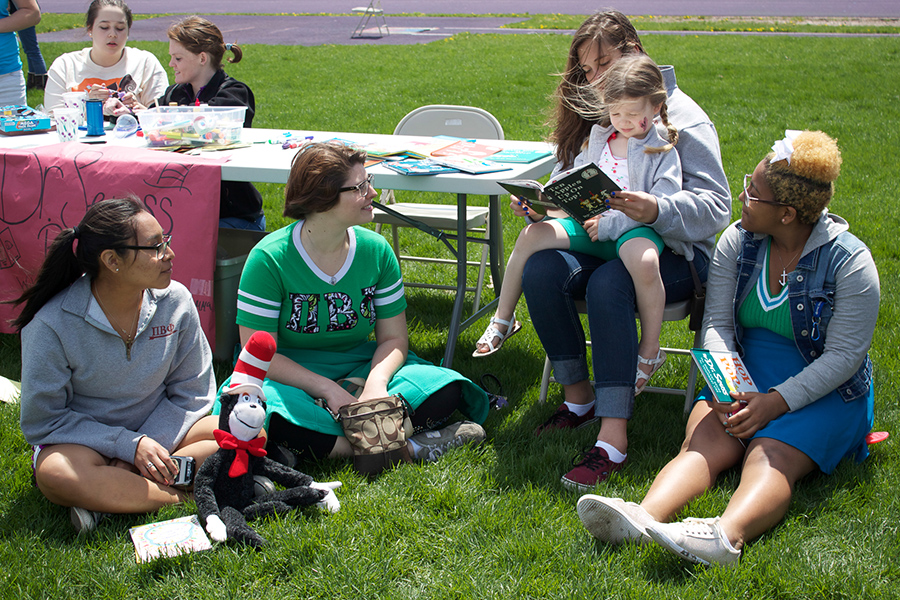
373 10
675 311
456 121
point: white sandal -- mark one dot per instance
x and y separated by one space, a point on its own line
487 338
655 364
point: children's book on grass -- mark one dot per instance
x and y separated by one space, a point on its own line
471 165
415 166
169 538
581 192
724 372
519 155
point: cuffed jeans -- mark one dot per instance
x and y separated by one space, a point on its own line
554 279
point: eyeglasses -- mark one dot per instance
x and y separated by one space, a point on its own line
362 189
748 198
161 248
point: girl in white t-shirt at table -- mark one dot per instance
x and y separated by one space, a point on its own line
628 148
101 69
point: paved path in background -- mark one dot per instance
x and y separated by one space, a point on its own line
713 8
320 30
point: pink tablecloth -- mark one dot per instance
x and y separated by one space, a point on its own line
45 190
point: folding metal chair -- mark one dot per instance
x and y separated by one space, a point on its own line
675 311
456 121
373 10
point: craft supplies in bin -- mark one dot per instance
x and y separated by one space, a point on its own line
192 125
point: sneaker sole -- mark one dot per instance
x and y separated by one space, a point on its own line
606 523
575 486
670 545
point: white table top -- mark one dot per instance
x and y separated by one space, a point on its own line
270 163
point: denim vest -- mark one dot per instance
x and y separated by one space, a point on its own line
811 297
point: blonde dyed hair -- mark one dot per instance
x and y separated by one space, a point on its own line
806 182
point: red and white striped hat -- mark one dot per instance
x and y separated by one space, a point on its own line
253 364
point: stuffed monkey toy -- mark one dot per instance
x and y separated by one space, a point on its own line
224 485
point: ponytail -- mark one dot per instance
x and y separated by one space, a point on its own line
237 53
75 252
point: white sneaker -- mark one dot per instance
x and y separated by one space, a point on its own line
700 541
84 520
612 520
431 445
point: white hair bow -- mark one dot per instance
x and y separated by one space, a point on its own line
783 149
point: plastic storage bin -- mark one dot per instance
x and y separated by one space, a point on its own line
192 125
231 254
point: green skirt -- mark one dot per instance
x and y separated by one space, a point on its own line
416 380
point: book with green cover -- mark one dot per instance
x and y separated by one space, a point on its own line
581 192
414 166
519 155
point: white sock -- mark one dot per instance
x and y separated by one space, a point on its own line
580 409
613 454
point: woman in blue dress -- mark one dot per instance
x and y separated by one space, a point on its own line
796 294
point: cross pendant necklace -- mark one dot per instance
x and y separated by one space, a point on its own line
126 335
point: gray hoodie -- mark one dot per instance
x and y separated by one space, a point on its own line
691 218
78 387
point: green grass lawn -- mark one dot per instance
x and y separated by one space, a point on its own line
494 522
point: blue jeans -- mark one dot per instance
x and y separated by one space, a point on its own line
28 38
554 279
239 223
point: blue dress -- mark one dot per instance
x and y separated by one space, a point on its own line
826 430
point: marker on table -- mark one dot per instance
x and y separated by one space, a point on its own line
295 142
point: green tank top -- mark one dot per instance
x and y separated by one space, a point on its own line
762 309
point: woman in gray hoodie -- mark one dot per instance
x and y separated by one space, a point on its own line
116 371
554 279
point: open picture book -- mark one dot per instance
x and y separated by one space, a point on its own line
169 538
581 192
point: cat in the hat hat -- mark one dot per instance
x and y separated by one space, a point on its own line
224 485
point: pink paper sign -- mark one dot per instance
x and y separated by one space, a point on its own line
46 190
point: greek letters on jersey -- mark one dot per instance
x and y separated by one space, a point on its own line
341 314
284 292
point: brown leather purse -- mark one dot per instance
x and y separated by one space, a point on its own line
377 431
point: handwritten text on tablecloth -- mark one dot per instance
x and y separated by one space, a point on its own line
46 190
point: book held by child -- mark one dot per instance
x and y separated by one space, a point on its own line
581 192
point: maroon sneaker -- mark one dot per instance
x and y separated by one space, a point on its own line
593 468
564 418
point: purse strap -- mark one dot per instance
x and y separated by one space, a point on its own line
699 300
